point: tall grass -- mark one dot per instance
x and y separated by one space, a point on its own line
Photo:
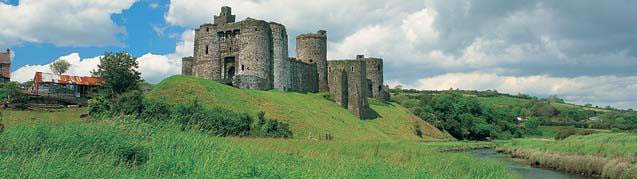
124 149
611 155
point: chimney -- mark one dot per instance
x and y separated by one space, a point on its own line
360 56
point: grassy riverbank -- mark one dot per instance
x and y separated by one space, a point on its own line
120 149
611 155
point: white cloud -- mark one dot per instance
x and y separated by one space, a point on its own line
154 68
599 90
78 68
418 27
62 22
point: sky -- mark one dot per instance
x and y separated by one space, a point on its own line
582 51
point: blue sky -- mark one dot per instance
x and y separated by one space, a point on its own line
139 20
583 51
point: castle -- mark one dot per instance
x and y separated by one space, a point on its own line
253 54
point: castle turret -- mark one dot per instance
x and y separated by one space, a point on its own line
312 48
255 60
280 57
225 16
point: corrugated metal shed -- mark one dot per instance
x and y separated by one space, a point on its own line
66 79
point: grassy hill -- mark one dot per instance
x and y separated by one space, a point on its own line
506 101
304 112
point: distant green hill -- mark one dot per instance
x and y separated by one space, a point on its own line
520 108
306 113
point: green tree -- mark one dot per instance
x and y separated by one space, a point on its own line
60 67
119 72
13 93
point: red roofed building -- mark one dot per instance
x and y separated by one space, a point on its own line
5 66
48 84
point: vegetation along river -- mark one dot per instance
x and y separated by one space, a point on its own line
523 168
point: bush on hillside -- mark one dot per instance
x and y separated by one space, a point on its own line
563 134
192 116
263 127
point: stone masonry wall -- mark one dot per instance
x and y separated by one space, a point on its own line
281 67
205 63
348 85
186 65
374 73
255 56
312 48
303 76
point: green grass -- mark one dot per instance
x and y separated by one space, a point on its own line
602 144
306 113
55 116
103 150
610 155
550 132
507 101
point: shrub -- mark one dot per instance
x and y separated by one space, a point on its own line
98 105
263 127
615 130
563 134
128 103
586 132
418 130
192 116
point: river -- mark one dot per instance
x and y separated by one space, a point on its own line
525 169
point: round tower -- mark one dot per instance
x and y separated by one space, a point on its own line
312 49
280 57
255 62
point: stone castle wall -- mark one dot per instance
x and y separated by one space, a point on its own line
374 73
206 52
312 48
348 85
186 65
304 77
282 78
